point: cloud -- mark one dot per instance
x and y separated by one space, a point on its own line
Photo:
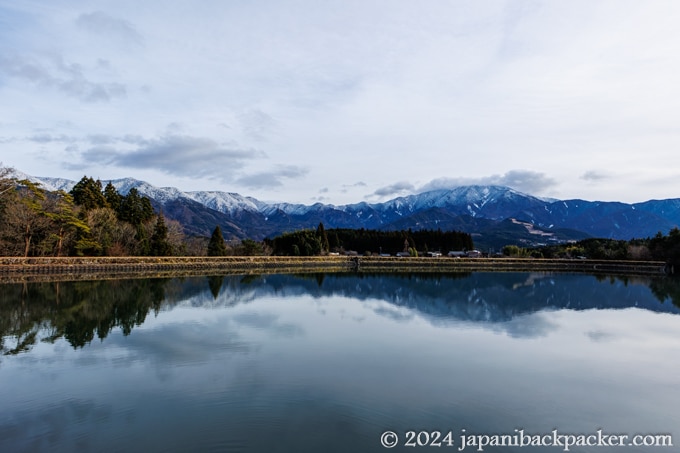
394 189
272 178
523 180
356 184
594 176
69 78
256 124
102 24
48 138
173 154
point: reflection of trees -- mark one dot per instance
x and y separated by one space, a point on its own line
666 288
76 311
82 311
215 283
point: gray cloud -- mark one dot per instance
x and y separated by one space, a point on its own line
102 24
593 176
130 139
256 124
523 180
68 78
346 187
272 178
101 139
48 138
394 189
173 154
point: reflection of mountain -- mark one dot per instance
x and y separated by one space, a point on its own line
483 297
81 311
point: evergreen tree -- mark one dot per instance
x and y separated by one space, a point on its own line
323 237
159 245
67 222
216 245
135 209
143 245
250 247
88 193
113 198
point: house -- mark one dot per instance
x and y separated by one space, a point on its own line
463 253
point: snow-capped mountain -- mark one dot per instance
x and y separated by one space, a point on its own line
478 210
227 203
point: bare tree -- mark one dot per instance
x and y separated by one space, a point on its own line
26 219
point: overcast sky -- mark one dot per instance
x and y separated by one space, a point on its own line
341 101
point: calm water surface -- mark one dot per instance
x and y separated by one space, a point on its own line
324 363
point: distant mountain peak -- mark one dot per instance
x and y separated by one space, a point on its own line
473 208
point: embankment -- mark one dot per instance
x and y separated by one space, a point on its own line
82 268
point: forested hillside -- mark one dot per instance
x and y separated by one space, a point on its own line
89 220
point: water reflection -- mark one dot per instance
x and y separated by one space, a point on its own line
83 311
313 363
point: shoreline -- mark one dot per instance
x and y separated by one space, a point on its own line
20 269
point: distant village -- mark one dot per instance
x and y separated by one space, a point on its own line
452 254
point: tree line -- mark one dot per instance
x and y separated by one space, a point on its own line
658 248
368 242
90 220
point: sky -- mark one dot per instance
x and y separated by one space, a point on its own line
344 101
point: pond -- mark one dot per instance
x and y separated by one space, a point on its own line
341 362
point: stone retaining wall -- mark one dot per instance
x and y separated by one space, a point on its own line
12 268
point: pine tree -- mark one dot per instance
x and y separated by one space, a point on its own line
159 245
135 209
113 198
143 244
66 221
88 193
216 245
323 237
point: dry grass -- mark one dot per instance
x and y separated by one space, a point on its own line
46 268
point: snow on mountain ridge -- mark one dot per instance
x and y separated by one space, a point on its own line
471 198
226 202
53 184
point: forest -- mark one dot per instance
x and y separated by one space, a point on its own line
367 242
90 220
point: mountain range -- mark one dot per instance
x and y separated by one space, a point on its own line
494 215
